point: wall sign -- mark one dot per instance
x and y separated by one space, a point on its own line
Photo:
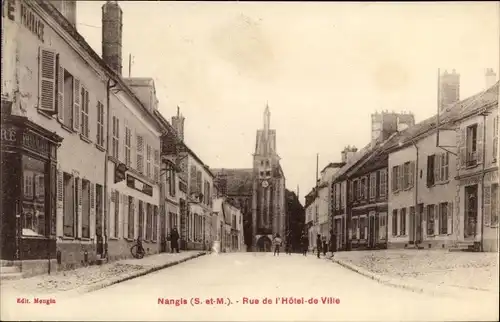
137 184
8 134
27 18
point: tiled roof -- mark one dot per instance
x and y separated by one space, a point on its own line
239 181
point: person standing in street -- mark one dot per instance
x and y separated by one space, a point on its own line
174 240
304 244
325 246
319 244
277 243
333 242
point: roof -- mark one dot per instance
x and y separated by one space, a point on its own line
454 113
71 30
139 81
173 133
333 165
238 181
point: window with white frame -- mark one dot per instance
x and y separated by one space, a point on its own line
471 145
406 175
444 166
127 145
100 124
84 127
443 218
116 135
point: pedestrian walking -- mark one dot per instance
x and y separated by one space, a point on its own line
325 246
319 244
277 243
174 240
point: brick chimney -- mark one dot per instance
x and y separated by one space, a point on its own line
112 25
449 89
491 77
386 123
178 124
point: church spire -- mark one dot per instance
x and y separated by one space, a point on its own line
267 120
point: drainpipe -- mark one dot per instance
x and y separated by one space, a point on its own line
482 182
105 203
415 241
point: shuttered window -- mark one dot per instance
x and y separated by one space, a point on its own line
69 206
47 79
155 223
76 104
383 183
192 180
116 219
141 219
395 178
140 154
495 139
149 221
86 205
84 127
373 185
127 145
443 218
157 166
68 93
430 220
402 222
148 161
116 137
131 212
100 124
394 222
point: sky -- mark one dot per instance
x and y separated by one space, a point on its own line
323 68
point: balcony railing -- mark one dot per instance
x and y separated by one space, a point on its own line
471 158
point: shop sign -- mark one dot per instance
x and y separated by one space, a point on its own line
138 185
34 142
8 134
27 18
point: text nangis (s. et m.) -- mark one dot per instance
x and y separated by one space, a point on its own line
224 301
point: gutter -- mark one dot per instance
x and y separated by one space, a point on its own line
105 203
482 182
415 241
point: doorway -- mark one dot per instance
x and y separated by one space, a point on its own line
418 223
470 218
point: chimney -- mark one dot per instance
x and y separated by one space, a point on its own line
491 77
348 153
449 89
67 8
178 124
112 25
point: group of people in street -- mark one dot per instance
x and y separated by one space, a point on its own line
322 245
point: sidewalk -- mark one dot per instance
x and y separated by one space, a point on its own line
92 278
435 272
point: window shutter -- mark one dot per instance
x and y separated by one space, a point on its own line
47 86
450 218
366 188
400 177
480 143
92 211
76 104
59 203
412 173
136 217
192 180
60 93
437 168
79 209
436 219
125 216
487 205
462 148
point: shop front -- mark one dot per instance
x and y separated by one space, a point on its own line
28 214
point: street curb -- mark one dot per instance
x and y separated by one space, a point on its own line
434 290
120 279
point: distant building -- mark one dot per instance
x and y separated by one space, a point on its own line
260 191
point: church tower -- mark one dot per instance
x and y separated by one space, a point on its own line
268 204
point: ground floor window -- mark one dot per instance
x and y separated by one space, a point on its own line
430 220
394 222
355 234
69 209
443 218
155 223
494 204
362 227
382 225
402 222
34 197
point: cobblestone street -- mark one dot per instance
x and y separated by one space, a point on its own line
462 269
255 276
